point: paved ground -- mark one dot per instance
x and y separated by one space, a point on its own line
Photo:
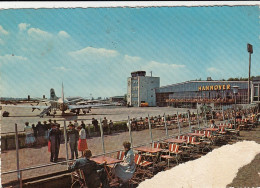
21 115
249 175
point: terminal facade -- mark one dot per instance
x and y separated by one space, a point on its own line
255 90
190 94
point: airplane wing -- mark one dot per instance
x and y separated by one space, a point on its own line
24 106
45 108
45 111
74 100
74 107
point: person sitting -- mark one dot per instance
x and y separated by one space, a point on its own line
212 124
94 173
125 170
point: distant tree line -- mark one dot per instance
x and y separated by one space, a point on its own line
240 79
233 79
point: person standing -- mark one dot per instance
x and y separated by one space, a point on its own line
57 124
110 126
45 125
82 140
76 124
34 132
73 136
83 125
105 125
70 123
54 138
95 124
30 139
40 133
49 124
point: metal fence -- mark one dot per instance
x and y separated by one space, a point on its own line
168 134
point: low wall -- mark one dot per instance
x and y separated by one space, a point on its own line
63 181
8 140
58 181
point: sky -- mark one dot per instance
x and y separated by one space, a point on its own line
93 50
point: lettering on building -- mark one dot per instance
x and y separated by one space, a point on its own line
214 87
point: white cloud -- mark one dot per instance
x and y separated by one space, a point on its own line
132 58
1 42
9 58
98 52
155 65
37 33
3 31
61 68
63 34
23 26
213 70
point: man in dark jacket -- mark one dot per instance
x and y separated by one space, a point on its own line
73 137
54 137
40 133
94 173
95 124
49 124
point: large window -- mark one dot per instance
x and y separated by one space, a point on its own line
256 92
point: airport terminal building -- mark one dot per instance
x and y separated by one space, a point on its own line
192 93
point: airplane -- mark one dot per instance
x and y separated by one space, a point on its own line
61 104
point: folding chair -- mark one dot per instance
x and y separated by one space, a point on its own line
198 145
141 170
78 176
191 144
173 149
120 155
156 145
208 141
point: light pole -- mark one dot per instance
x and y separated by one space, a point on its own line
250 51
235 91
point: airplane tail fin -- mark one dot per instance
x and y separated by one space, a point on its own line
53 95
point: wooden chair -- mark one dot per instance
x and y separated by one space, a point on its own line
78 176
141 171
120 155
140 162
173 149
156 145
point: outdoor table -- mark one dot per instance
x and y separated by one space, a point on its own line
102 159
196 134
174 140
110 162
211 129
149 149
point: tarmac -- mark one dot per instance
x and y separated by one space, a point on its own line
20 115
